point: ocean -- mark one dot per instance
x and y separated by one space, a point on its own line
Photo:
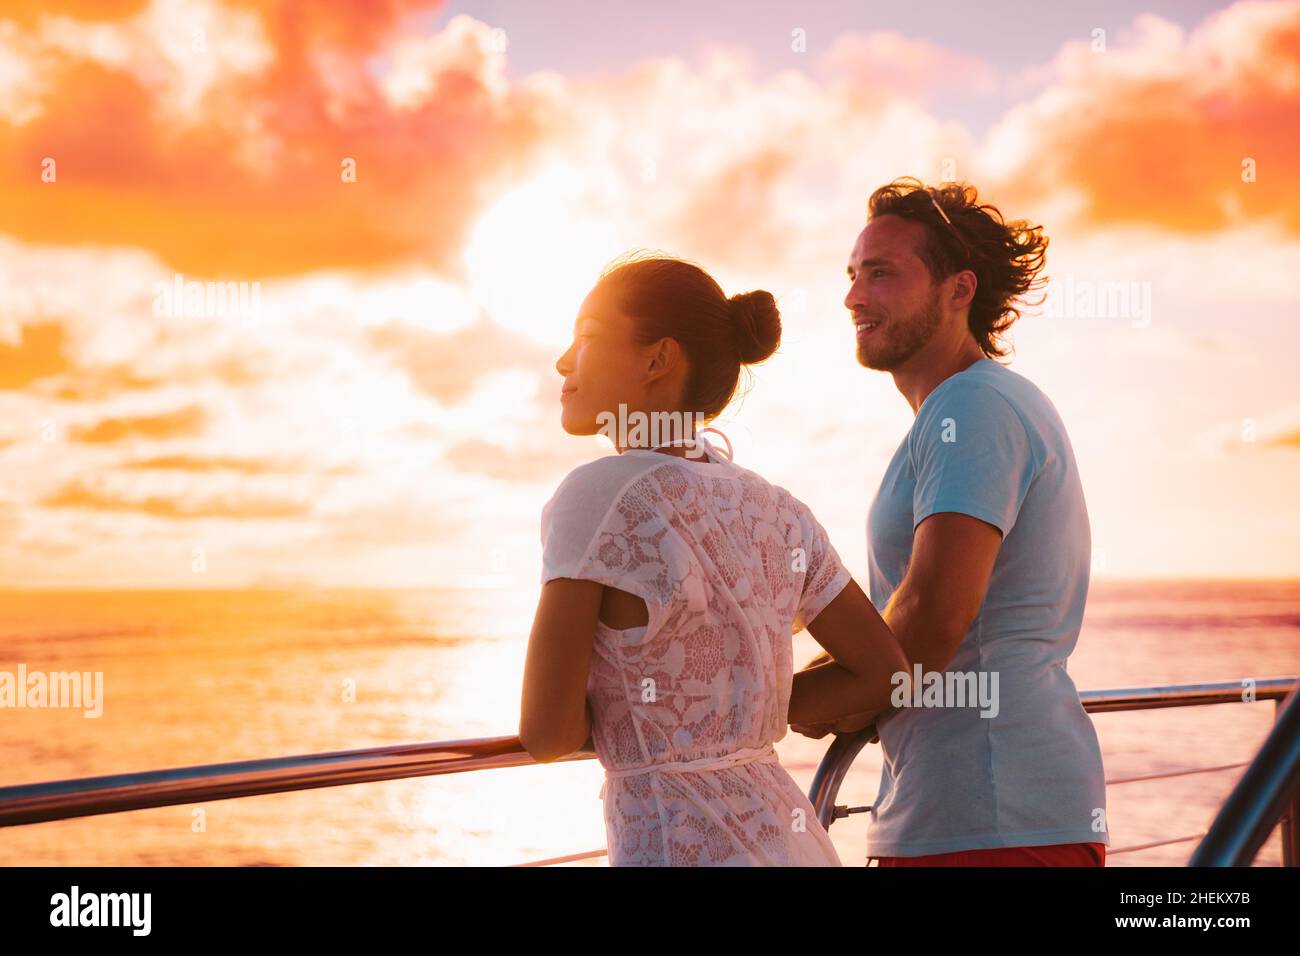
194 677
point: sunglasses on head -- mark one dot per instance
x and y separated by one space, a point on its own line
951 228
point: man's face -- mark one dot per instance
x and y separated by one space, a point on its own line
894 301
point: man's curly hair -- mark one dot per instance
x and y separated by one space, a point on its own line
1006 257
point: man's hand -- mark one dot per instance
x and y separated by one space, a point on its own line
815 731
845 725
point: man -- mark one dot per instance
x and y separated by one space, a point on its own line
980 551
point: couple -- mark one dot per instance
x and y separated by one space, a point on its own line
673 578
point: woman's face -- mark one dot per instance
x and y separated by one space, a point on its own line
602 368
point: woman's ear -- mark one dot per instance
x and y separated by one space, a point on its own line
664 357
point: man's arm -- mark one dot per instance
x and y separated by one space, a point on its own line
952 560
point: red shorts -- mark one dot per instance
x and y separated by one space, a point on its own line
1061 854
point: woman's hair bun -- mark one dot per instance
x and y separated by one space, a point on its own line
757 325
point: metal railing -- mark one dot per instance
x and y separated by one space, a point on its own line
1269 788
117 793
89 796
1271 793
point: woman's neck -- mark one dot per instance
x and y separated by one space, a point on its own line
687 447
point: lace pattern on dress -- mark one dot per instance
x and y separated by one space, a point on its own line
686 708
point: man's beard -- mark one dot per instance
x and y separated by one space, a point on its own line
901 338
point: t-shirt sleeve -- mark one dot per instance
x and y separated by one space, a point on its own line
826 574
973 455
591 532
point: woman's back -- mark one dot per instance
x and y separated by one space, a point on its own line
685 709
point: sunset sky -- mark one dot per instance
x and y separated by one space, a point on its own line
419 195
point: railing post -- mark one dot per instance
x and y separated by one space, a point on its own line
1263 795
830 772
1290 829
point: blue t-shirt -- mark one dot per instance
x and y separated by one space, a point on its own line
987 443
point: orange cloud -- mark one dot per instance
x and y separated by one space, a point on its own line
744 191
93 383
1167 129
883 65
448 365
179 423
542 461
243 466
102 383
77 9
251 180
405 518
78 494
38 354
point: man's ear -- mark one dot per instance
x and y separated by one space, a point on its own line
963 289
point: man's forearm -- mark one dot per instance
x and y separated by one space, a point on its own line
926 629
923 629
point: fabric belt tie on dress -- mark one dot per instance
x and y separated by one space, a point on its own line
764 754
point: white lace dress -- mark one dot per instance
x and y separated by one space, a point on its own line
685 709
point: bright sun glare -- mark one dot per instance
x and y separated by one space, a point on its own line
535 253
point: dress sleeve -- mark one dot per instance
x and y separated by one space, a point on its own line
973 455
570 520
826 574
596 528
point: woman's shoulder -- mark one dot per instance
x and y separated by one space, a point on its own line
781 495
594 485
603 472
779 503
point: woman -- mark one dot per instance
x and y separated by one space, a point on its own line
673 580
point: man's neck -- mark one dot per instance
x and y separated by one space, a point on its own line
923 373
